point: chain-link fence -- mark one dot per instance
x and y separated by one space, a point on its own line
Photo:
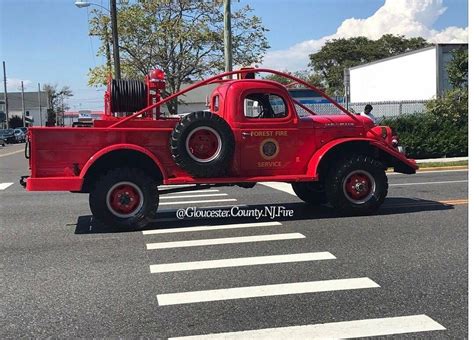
380 109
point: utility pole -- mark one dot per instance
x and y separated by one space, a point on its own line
113 19
23 103
347 86
39 104
227 36
5 91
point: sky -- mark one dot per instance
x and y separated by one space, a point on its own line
47 41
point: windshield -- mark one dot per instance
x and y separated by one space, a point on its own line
314 102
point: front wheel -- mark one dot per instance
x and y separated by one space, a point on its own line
126 198
358 185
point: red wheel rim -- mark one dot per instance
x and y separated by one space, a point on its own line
203 144
124 199
359 186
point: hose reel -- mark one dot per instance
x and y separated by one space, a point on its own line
128 96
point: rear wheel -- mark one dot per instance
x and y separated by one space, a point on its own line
310 192
358 185
126 198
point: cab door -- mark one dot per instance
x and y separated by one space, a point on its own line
271 140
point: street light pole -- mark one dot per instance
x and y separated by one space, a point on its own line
107 49
23 102
6 93
113 19
39 105
227 36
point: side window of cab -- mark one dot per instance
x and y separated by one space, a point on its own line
264 106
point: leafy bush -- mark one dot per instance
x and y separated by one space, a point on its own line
441 131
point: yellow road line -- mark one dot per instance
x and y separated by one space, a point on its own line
425 203
455 202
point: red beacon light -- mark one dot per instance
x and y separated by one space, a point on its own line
158 78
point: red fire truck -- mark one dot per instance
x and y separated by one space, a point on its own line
253 131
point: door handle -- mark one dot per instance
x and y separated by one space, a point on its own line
245 134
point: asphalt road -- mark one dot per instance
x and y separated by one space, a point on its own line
402 271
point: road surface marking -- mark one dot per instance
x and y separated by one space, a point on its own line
223 206
168 186
210 227
188 192
285 187
425 183
455 202
203 201
267 290
427 172
191 196
226 240
12 153
427 203
333 330
240 262
3 186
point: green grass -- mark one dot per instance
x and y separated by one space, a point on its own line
442 164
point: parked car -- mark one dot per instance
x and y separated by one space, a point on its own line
8 135
20 135
2 142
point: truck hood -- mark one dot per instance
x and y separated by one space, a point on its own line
321 121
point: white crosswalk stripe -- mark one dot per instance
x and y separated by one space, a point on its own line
340 329
188 192
239 262
333 330
200 201
3 186
285 187
226 240
267 290
191 196
212 227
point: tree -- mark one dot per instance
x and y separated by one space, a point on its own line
183 38
457 69
338 54
309 77
15 122
56 101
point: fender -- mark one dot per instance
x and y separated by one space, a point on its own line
320 153
116 147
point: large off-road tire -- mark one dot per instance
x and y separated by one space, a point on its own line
124 198
358 185
310 192
203 144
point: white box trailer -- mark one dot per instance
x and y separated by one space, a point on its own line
416 75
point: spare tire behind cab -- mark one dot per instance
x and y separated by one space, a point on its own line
203 144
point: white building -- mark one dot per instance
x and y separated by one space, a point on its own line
417 75
32 105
